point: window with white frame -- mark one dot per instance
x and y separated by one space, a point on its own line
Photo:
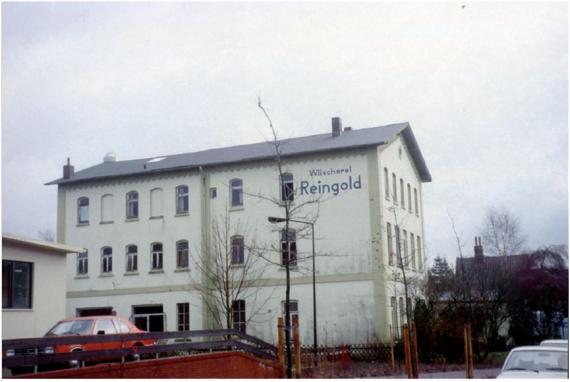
156 201
419 249
132 258
183 316
83 210
156 256
287 188
394 188
182 254
182 203
238 315
236 193
107 208
238 255
293 311
389 240
106 260
82 263
132 205
289 248
386 183
398 247
402 195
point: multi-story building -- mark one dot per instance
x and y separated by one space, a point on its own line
146 226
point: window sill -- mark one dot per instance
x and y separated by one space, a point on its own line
180 270
133 273
81 277
156 271
128 220
106 275
156 217
17 309
236 208
181 214
107 222
82 224
241 265
291 268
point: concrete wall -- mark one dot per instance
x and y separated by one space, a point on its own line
48 295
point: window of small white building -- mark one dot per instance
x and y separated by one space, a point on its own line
236 193
82 263
132 258
389 240
156 202
182 202
238 315
287 187
289 248
293 311
132 205
83 210
106 260
409 198
386 184
402 195
394 188
17 283
183 316
238 252
156 256
413 250
182 254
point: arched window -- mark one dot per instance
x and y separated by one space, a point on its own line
83 210
287 188
182 254
156 256
132 261
236 192
182 200
156 202
132 205
106 260
386 184
107 208
237 250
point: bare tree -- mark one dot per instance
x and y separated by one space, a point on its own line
501 232
230 270
46 234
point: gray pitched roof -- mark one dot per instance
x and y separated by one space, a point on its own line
373 136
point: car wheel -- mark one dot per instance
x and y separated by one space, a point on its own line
75 363
135 356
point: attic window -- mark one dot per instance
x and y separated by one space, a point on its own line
153 160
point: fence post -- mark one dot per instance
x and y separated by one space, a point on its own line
407 355
414 351
281 345
392 359
468 351
297 342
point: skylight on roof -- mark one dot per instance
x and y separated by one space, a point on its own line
153 160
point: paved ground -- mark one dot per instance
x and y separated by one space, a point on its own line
458 374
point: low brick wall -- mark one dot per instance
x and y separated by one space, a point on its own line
211 365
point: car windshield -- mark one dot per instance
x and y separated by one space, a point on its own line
71 328
538 360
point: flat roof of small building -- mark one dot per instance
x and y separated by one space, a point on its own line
50 246
320 143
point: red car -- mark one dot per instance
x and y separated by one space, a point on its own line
95 325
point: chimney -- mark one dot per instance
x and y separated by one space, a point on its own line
68 170
336 126
478 249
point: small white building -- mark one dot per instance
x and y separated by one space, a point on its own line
33 285
146 222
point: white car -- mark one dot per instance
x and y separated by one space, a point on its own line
543 362
555 343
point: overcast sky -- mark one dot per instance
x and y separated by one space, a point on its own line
484 87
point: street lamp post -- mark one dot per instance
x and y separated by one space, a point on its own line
273 219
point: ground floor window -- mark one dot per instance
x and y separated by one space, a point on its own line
149 317
95 311
238 315
17 279
293 312
183 313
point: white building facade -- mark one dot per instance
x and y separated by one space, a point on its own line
145 225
